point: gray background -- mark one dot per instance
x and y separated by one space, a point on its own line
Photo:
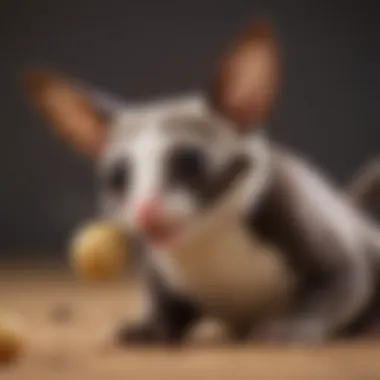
138 48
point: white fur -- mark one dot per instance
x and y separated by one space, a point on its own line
138 132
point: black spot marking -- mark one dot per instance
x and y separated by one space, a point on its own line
117 177
186 168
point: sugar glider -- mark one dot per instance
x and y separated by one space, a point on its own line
200 171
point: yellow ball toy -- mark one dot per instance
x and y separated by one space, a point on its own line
11 340
98 251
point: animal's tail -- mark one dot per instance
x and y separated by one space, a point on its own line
365 186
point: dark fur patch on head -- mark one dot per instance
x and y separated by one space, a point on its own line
188 170
221 182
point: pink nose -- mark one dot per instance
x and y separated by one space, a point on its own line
148 213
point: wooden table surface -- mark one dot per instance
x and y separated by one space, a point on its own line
68 327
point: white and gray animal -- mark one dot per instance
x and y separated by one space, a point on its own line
165 164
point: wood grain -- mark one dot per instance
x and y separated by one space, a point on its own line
79 346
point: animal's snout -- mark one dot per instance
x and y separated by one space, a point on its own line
149 213
157 222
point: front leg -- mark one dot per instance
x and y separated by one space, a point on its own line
168 319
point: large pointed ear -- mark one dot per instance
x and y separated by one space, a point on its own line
68 110
246 82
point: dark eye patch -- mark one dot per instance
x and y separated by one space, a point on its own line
223 181
187 166
117 177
